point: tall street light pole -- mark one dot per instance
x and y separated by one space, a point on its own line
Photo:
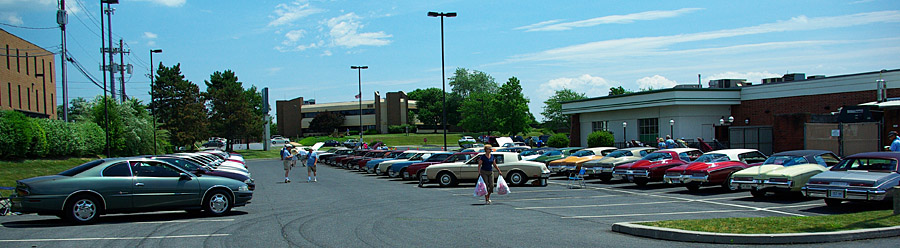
672 128
443 71
153 96
359 71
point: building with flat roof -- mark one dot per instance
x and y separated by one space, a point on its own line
294 116
791 113
27 82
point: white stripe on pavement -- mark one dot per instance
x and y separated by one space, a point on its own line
622 204
182 221
523 191
117 238
557 198
672 213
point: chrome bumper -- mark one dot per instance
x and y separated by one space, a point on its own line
845 194
555 168
633 173
673 179
597 170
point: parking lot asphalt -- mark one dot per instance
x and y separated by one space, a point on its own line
353 209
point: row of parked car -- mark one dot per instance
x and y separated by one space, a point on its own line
212 181
814 173
442 168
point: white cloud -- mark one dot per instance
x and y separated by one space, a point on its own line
590 85
11 18
553 25
344 31
655 82
274 70
288 13
294 35
753 77
150 35
644 45
326 53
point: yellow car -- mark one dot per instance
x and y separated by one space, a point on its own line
573 163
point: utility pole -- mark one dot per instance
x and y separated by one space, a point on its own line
123 68
112 63
103 69
62 20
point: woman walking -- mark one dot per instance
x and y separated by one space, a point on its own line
487 164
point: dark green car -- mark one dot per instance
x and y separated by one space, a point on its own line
556 154
126 185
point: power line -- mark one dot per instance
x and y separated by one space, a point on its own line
17 26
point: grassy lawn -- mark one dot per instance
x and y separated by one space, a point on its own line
768 225
273 152
10 171
412 139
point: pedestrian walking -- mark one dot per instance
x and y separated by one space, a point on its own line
895 145
661 143
487 164
311 160
286 159
294 155
670 143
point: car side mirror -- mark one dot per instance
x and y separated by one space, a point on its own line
184 176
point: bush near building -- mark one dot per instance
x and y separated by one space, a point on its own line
24 137
600 138
558 140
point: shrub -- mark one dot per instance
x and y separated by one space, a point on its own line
600 138
15 134
89 139
370 132
60 137
37 145
558 140
401 128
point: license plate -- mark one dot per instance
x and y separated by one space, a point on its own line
745 186
630 177
676 180
836 194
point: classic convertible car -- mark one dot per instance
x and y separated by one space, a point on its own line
784 171
653 167
869 176
714 168
119 185
556 154
566 164
604 167
515 171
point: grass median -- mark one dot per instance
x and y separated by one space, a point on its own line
771 225
273 152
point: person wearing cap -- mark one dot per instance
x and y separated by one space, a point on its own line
311 161
286 159
895 145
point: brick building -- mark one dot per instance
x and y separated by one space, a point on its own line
772 116
27 82
293 116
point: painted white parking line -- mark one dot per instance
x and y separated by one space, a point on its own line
621 204
653 214
558 198
117 238
513 191
696 200
182 221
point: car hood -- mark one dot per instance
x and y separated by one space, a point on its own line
391 162
543 158
758 170
794 170
445 166
853 176
647 164
530 157
615 161
379 160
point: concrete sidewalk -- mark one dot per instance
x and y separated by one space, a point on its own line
636 229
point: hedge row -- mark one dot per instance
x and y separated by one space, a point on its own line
401 128
24 137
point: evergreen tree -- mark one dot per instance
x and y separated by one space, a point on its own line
178 106
229 107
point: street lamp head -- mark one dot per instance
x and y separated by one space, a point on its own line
156 51
359 67
436 14
730 119
671 122
433 14
110 1
624 124
451 14
722 121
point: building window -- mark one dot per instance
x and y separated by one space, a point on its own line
19 91
7 57
18 63
37 101
51 71
599 126
9 94
648 130
52 104
28 95
26 66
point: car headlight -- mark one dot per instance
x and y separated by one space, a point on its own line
248 181
244 188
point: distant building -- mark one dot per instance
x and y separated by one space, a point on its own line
27 82
839 113
294 116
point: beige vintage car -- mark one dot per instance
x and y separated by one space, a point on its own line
515 171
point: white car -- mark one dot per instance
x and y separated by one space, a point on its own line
280 140
467 139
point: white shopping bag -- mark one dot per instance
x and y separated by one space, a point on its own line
480 188
502 187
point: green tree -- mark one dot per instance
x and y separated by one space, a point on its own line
478 112
429 106
600 138
512 113
326 122
464 83
555 119
179 106
615 91
130 126
78 110
230 111
254 126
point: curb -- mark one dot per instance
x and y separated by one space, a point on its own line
632 228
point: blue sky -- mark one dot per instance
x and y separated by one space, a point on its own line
306 48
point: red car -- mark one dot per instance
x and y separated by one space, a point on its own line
379 154
339 161
714 168
653 166
417 168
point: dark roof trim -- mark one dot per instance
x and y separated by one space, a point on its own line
653 92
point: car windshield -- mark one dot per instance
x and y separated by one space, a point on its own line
619 153
183 163
712 158
437 158
529 152
866 164
786 160
553 153
583 153
405 155
81 168
657 156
